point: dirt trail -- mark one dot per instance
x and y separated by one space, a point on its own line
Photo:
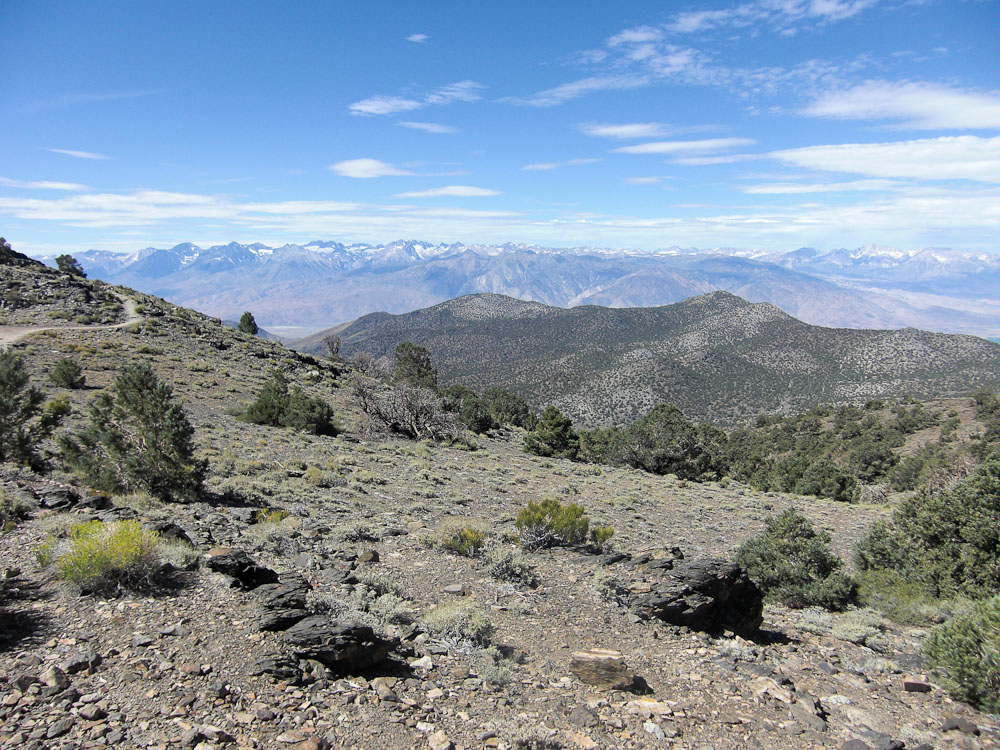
12 334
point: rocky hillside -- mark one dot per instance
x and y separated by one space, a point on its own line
254 631
718 357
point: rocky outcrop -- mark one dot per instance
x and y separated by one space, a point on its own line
709 594
243 572
345 649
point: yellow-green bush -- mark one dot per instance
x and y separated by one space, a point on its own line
462 536
105 556
461 621
549 523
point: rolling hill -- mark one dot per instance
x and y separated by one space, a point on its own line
717 356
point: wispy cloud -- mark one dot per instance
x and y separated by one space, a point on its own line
625 131
42 185
451 191
800 188
643 180
366 169
963 157
547 165
568 91
428 127
783 15
78 154
71 100
705 145
916 105
417 38
461 91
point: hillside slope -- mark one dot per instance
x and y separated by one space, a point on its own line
716 356
343 522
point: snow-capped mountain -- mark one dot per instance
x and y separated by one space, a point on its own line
324 282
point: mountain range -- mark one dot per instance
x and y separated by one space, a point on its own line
717 356
322 283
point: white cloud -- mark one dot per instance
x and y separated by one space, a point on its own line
42 185
640 35
963 157
417 38
704 161
428 127
629 130
684 147
568 91
643 180
383 105
366 168
451 191
968 217
783 15
78 154
460 91
919 106
545 166
798 188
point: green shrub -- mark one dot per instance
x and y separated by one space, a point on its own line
600 536
949 541
247 324
277 406
792 564
967 647
553 436
462 536
900 599
549 523
412 365
108 556
23 421
137 439
67 373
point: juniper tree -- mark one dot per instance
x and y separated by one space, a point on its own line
138 439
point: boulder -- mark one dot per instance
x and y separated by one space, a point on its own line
708 594
282 604
603 668
241 569
345 649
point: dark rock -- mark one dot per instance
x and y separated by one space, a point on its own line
25 681
80 661
281 666
345 649
957 723
168 530
709 595
237 564
282 604
583 717
57 498
92 712
117 513
141 641
95 500
855 745
59 728
244 514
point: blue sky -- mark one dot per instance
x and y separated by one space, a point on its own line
767 123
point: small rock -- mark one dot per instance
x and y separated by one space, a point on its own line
439 741
369 556
424 662
54 677
456 589
654 729
435 693
916 683
583 717
602 667
59 728
92 712
957 723
141 641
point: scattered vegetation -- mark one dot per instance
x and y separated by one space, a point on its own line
412 411
24 422
792 563
948 541
461 536
67 373
70 265
11 511
507 564
553 436
138 438
277 406
967 647
461 623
